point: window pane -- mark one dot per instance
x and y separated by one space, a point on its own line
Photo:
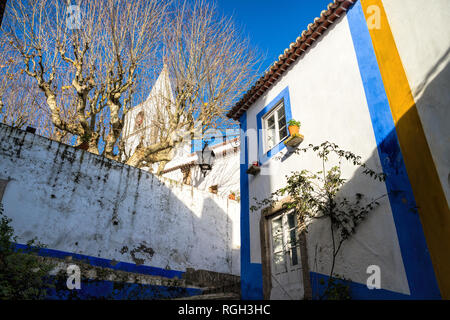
282 133
279 262
294 254
291 220
292 237
278 244
270 138
276 228
271 121
282 126
280 111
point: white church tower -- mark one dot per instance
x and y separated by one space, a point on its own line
142 122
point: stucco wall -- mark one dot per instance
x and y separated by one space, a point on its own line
423 43
74 201
327 96
224 171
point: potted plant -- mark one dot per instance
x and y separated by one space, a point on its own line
232 196
293 126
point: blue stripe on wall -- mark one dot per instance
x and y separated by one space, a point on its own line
111 290
358 291
251 273
416 259
104 263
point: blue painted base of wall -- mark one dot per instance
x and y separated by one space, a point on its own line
103 263
251 282
111 290
358 291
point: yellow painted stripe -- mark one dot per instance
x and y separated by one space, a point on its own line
429 195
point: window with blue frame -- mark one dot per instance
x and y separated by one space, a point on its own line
272 126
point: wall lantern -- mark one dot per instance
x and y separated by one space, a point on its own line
206 160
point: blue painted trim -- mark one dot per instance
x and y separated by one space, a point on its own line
416 258
358 291
263 157
111 290
104 263
251 273
198 144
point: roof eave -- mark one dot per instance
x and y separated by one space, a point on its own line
315 31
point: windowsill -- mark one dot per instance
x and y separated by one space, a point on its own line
294 140
276 147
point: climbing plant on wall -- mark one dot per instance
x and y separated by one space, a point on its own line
316 195
23 276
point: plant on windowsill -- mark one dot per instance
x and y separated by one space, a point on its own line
295 138
232 196
293 126
316 195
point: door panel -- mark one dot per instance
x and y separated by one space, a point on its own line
287 282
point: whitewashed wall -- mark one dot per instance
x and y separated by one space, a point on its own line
423 43
328 98
224 171
74 201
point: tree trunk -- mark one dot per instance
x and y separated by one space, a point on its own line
115 129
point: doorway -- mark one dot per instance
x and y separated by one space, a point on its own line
284 258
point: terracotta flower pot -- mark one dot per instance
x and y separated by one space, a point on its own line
232 197
293 130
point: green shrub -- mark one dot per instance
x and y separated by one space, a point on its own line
23 276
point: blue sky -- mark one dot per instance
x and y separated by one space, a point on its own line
272 24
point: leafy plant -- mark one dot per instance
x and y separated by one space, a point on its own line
338 288
293 122
23 276
315 195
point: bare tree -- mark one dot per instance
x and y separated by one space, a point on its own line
21 102
210 64
90 74
86 69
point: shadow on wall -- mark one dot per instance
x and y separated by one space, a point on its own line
404 235
433 107
419 209
113 215
418 198
222 230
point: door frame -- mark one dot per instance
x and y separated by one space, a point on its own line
267 214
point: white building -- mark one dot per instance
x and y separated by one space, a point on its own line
371 76
141 124
223 178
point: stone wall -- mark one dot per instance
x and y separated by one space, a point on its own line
76 202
